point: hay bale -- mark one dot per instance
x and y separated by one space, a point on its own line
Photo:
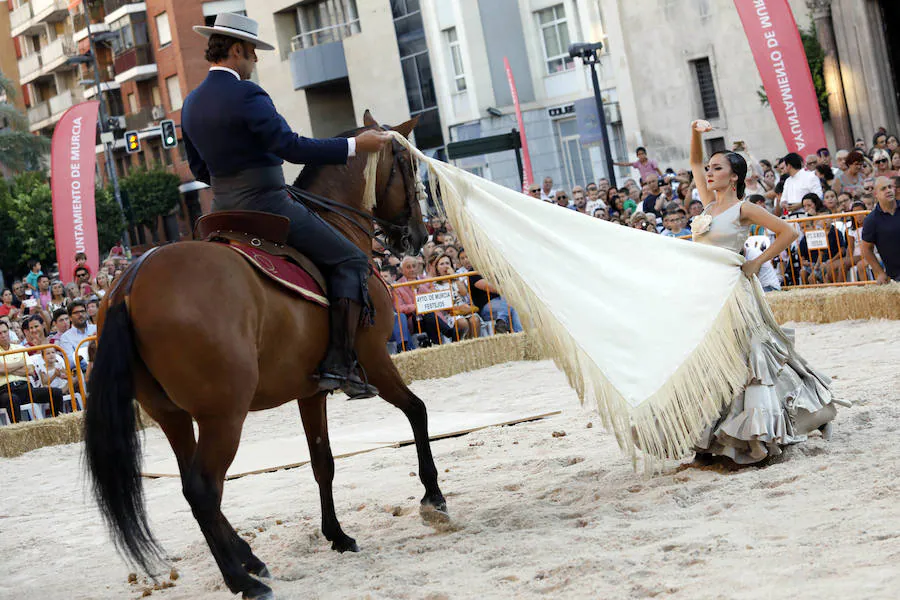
24 437
447 360
65 429
831 304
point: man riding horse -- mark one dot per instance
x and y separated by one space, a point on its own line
236 142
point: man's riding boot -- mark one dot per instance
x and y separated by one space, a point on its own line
339 369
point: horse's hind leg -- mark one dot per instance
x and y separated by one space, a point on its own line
383 374
315 425
203 484
178 427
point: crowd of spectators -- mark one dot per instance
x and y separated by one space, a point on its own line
863 178
39 309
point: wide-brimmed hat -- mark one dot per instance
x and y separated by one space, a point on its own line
236 26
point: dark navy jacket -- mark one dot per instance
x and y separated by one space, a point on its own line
229 125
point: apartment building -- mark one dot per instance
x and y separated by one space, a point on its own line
469 41
149 59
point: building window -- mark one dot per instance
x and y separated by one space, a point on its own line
576 159
323 22
174 89
706 85
132 104
555 38
132 30
459 73
417 74
714 145
155 96
162 29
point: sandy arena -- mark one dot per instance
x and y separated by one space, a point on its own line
534 515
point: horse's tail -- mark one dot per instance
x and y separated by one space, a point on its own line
112 445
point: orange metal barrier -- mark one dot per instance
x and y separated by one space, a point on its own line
827 252
81 388
428 285
28 372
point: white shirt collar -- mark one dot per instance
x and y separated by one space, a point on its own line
232 71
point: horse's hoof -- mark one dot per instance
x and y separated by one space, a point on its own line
258 591
435 513
436 502
345 544
264 572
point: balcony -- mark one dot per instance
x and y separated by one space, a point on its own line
29 68
39 116
325 35
139 120
111 6
80 22
60 102
54 54
50 11
21 22
135 64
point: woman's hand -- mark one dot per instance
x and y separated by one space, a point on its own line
701 126
751 268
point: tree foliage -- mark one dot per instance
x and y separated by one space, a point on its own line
26 221
19 148
31 209
110 220
151 194
815 58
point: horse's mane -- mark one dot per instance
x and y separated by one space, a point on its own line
309 173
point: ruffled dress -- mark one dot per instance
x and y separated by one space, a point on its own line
784 398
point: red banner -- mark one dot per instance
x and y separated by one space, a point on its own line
527 176
778 52
72 160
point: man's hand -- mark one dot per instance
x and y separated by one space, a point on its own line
371 140
883 279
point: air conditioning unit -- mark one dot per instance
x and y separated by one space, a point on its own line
611 112
158 112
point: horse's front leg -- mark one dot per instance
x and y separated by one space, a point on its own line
384 375
315 424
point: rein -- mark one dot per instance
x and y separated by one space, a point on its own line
342 210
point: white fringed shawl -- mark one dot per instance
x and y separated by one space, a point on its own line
654 330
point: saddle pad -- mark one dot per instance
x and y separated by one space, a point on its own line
284 272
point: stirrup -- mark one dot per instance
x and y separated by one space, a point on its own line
358 388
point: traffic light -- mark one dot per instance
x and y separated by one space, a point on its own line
132 142
167 132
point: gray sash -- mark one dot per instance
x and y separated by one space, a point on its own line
248 188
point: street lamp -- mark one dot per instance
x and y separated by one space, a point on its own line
106 136
590 55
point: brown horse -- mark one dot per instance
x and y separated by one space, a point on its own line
163 343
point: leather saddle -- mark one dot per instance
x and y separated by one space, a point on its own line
265 232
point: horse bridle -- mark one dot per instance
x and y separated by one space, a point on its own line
404 232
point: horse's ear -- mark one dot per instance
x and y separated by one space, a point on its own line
368 121
405 129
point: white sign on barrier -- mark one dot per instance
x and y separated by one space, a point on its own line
817 240
434 301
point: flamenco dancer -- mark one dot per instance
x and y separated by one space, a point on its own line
784 398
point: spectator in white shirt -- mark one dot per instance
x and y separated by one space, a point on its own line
80 329
548 194
799 183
